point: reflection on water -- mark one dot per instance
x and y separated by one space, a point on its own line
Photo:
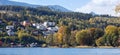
58 51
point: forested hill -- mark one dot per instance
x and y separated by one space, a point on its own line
40 14
71 28
45 11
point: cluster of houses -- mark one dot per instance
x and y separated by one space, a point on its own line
10 31
44 28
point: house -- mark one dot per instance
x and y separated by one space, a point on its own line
45 28
55 29
35 24
25 23
1 21
10 27
10 32
41 27
33 44
46 33
49 24
36 32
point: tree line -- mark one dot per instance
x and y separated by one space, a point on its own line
67 38
75 29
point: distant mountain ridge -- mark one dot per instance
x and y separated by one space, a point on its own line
52 7
7 2
58 8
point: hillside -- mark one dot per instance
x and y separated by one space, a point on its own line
51 7
27 25
75 20
44 11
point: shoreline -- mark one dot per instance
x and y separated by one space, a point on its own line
108 47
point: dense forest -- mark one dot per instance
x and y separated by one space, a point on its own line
75 29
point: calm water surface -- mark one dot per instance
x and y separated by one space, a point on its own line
59 51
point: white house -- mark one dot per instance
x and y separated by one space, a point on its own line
49 24
46 33
10 27
55 29
41 27
10 32
47 28
1 21
35 24
25 23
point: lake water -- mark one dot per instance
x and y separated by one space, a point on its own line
59 51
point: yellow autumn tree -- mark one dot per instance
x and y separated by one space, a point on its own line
111 35
63 35
60 34
83 37
111 30
100 41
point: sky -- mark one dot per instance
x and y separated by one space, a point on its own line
85 6
69 4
